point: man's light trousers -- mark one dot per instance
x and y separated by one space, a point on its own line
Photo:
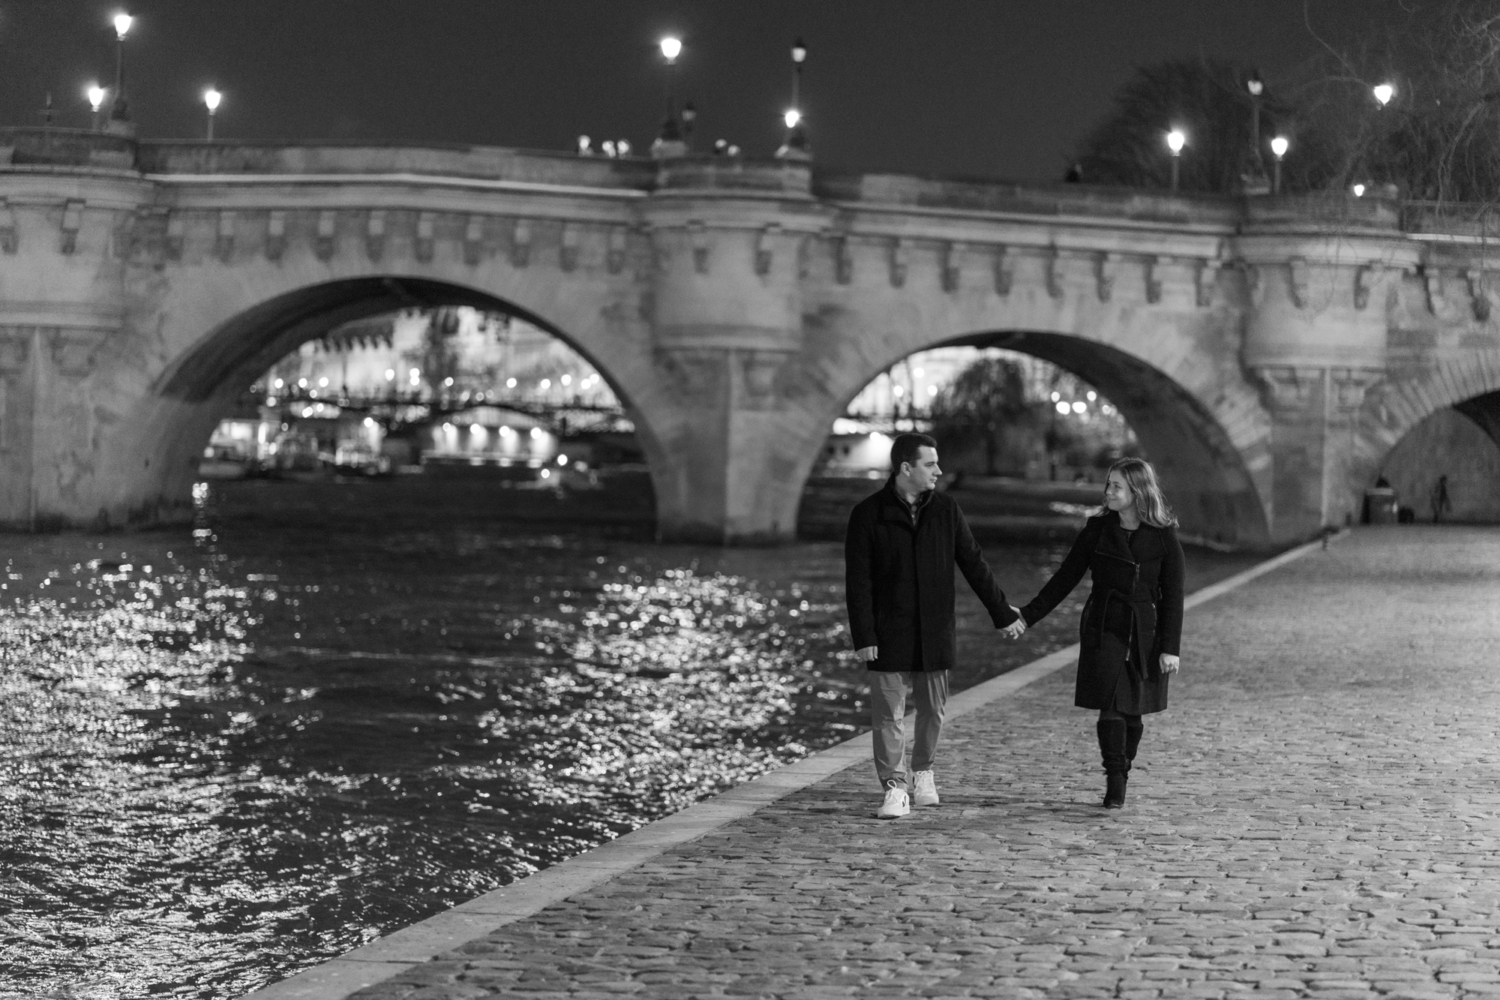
887 720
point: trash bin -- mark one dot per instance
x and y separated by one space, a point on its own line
1380 501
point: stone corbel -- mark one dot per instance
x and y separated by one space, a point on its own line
1053 265
473 240
843 259
765 242
804 252
275 234
72 222
698 240
125 232
1297 281
1475 278
15 349
1106 267
758 372
323 242
899 261
175 229
520 243
952 263
1432 284
567 250
1366 277
1004 270
1206 281
224 243
426 227
73 350
1289 387
614 257
8 239
1153 277
1349 386
375 234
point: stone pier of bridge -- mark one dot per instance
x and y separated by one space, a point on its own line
1268 352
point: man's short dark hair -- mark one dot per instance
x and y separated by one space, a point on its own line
906 446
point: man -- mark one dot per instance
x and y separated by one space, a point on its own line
902 546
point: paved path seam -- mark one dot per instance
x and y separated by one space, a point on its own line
420 942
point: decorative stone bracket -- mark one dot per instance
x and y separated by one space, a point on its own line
698 241
275 234
1290 388
1206 280
952 265
614 257
1153 267
375 234
765 243
520 243
1297 281
1432 284
567 251
72 222
224 241
325 240
422 246
1004 270
899 259
1106 269
1475 278
1366 277
73 350
474 240
8 239
176 231
843 259
15 348
1052 262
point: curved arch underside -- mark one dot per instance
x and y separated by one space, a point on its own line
1203 472
228 359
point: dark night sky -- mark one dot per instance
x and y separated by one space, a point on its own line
998 88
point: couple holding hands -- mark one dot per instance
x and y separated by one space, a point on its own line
902 547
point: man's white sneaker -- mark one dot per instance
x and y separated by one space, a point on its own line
896 803
924 789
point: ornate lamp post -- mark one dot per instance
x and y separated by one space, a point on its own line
1278 148
670 141
1175 141
211 100
1254 177
795 147
96 95
119 113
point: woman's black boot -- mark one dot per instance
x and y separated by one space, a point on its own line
1133 733
1116 764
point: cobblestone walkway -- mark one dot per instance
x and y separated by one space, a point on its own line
1315 816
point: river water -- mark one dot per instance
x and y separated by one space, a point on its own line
328 710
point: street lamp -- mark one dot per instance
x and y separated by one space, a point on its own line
1383 93
211 99
1175 141
1254 178
120 112
670 142
1278 147
795 147
96 95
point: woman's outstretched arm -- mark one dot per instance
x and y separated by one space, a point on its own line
1067 576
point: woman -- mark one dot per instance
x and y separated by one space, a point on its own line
1132 623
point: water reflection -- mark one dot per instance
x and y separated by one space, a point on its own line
337 709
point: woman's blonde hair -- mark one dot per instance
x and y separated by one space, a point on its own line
1150 504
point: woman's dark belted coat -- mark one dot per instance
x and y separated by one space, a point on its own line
1133 615
899 579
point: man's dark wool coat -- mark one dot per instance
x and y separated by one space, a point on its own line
899 579
1133 615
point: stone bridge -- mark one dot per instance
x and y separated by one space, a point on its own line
1268 352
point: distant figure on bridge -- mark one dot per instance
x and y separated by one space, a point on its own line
899 555
1132 623
1441 503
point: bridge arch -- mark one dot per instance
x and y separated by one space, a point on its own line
1399 404
212 358
1206 472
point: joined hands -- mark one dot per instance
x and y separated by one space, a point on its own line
1015 628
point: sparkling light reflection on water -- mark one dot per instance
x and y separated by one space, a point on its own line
340 708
